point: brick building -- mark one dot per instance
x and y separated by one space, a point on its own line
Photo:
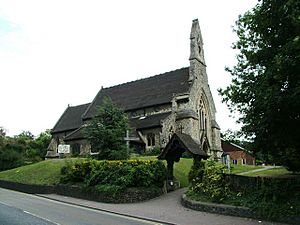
238 155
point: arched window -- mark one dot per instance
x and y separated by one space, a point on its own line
151 139
202 116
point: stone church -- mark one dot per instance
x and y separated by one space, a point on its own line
173 107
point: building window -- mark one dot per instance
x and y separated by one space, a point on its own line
202 116
151 139
244 161
234 161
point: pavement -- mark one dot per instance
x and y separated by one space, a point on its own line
257 170
165 209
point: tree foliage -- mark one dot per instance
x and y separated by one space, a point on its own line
106 132
265 86
23 148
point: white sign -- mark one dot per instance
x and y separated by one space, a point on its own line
63 149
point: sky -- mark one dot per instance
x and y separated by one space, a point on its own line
55 53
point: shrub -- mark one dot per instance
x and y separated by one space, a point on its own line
121 173
208 181
155 151
77 171
10 158
196 172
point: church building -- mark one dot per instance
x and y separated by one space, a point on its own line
162 109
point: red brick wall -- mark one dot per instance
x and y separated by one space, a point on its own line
237 154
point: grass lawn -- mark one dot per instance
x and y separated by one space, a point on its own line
45 173
274 172
235 169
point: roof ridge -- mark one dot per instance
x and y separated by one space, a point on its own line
145 78
70 106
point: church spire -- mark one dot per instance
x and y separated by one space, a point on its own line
196 43
197 54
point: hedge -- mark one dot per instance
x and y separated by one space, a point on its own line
115 176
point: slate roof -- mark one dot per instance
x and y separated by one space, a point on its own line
75 135
148 121
71 119
186 142
190 144
137 123
155 90
230 147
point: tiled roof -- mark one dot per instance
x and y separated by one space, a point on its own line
184 142
70 119
75 135
146 92
230 147
148 121
136 123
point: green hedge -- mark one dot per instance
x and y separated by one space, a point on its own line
114 176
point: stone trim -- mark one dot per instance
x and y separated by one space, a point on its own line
217 208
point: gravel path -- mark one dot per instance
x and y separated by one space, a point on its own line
257 170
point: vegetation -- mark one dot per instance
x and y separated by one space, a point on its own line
106 132
274 172
22 149
208 181
263 195
155 151
43 173
265 86
113 177
236 169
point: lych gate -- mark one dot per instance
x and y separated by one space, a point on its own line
178 144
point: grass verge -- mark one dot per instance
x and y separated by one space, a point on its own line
42 173
274 172
235 169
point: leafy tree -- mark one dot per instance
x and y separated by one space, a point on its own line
23 148
106 132
42 142
265 86
2 132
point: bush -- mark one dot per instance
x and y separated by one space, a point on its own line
10 159
155 151
123 174
207 180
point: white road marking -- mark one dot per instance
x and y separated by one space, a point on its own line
32 214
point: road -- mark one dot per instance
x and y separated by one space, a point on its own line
18 208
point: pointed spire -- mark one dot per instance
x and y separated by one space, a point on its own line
196 43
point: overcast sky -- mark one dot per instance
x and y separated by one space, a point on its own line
59 52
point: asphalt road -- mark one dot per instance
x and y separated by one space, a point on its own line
18 208
13 216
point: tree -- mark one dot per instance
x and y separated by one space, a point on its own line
106 132
42 142
265 86
235 137
2 132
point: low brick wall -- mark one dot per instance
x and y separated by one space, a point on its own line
129 196
217 208
27 188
